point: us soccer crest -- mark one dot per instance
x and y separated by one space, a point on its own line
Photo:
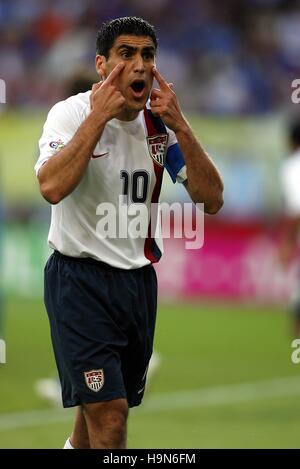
157 147
94 379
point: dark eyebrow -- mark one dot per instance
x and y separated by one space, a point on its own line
149 49
133 49
126 46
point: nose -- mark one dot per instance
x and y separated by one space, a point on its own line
139 64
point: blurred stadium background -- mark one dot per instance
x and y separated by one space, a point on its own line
226 378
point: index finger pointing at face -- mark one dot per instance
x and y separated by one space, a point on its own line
159 78
115 72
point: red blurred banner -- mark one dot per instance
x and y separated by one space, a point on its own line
237 262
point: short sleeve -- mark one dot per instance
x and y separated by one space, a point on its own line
59 128
174 162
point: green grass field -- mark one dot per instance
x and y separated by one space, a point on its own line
226 381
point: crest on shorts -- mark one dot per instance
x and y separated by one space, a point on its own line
94 379
157 146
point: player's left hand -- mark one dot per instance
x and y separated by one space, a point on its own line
164 104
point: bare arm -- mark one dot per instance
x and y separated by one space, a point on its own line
61 174
204 183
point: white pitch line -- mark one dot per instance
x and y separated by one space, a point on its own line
214 396
33 418
222 395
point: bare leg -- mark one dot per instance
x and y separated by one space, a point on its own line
106 423
80 437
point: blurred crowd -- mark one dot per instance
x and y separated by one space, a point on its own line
231 57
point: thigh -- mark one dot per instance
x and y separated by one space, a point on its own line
86 336
140 344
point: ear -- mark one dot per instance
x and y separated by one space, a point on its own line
100 63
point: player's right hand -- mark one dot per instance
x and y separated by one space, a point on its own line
106 99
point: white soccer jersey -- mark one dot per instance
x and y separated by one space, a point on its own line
290 177
101 217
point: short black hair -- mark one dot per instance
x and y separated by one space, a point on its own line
294 133
132 25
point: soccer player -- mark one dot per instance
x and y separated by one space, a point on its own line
290 177
105 149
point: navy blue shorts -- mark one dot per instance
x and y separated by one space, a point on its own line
102 322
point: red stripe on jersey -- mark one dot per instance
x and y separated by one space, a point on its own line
151 250
151 130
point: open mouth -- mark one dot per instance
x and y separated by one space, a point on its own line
138 86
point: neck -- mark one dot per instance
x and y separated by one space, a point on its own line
128 115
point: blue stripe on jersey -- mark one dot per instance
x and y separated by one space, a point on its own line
174 161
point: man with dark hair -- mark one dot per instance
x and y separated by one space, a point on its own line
290 177
109 32
105 151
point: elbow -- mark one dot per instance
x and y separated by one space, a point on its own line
217 201
212 200
210 206
50 194
215 205
49 187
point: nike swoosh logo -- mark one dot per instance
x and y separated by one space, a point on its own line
99 156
